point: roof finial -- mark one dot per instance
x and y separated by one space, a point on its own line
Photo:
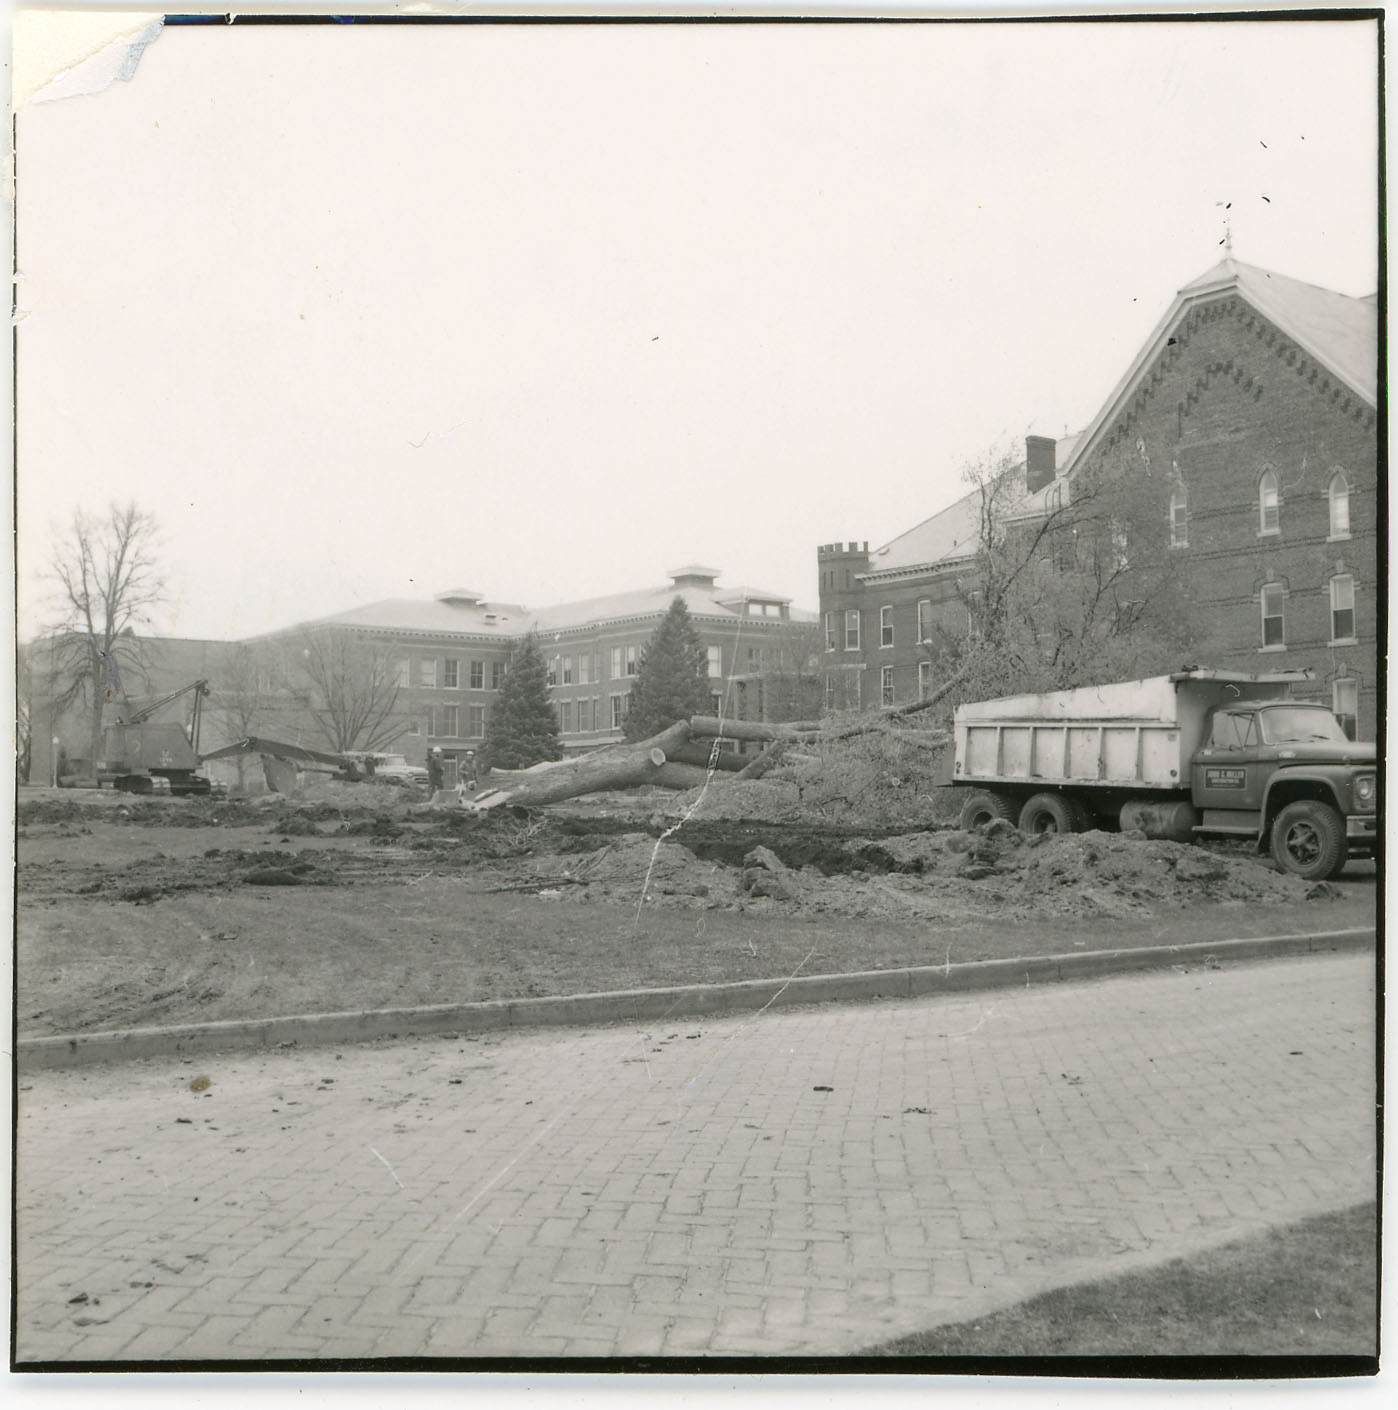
1227 241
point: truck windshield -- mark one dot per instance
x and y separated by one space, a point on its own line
1300 724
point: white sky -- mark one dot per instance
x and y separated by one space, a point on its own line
366 312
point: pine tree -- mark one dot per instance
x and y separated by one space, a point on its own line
673 680
523 726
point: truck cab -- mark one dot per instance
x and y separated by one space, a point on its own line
1285 772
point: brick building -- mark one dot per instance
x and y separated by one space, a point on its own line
447 658
450 656
1251 416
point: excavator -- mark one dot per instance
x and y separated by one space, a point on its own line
141 757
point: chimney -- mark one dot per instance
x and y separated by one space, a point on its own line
1040 462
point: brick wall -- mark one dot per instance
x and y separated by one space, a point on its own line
1228 400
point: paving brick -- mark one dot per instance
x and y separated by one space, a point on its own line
590 1226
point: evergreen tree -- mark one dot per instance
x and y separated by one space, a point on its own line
673 680
523 725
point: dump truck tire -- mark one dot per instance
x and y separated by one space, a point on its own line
983 807
1052 812
1308 840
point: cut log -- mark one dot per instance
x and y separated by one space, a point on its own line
711 727
624 766
680 776
880 720
765 760
725 759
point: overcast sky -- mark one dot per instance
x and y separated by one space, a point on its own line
367 312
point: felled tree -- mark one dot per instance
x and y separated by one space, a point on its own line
673 680
523 727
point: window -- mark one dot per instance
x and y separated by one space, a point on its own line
584 714
1344 704
832 640
618 710
565 717
975 601
924 679
1179 517
451 674
553 670
415 727
567 670
886 685
852 629
448 722
401 669
585 668
1339 506
475 721
1120 546
885 626
715 655
631 657
1273 618
1234 730
1268 504
1342 608
427 673
429 719
924 620
477 675
616 663
497 674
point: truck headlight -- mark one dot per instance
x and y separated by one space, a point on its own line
1366 791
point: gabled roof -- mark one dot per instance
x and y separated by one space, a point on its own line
953 534
1340 332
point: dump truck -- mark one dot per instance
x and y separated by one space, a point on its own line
1198 753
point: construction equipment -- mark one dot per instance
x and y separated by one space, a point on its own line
140 756
1197 753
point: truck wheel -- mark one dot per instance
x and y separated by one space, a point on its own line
983 807
1308 840
1052 812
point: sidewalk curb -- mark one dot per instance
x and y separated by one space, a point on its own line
637 1005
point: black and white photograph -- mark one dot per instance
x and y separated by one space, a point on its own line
699 694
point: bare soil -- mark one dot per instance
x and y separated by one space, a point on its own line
135 912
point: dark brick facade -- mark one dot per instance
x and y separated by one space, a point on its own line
1222 406
1229 400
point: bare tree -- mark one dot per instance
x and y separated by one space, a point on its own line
792 678
108 584
1069 586
353 690
239 702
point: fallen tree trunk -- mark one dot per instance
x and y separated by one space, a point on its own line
765 760
893 712
711 727
623 766
700 754
680 776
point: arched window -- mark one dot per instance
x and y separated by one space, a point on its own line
1339 506
1179 516
1269 510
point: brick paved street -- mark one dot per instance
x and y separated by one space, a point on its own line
803 1181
